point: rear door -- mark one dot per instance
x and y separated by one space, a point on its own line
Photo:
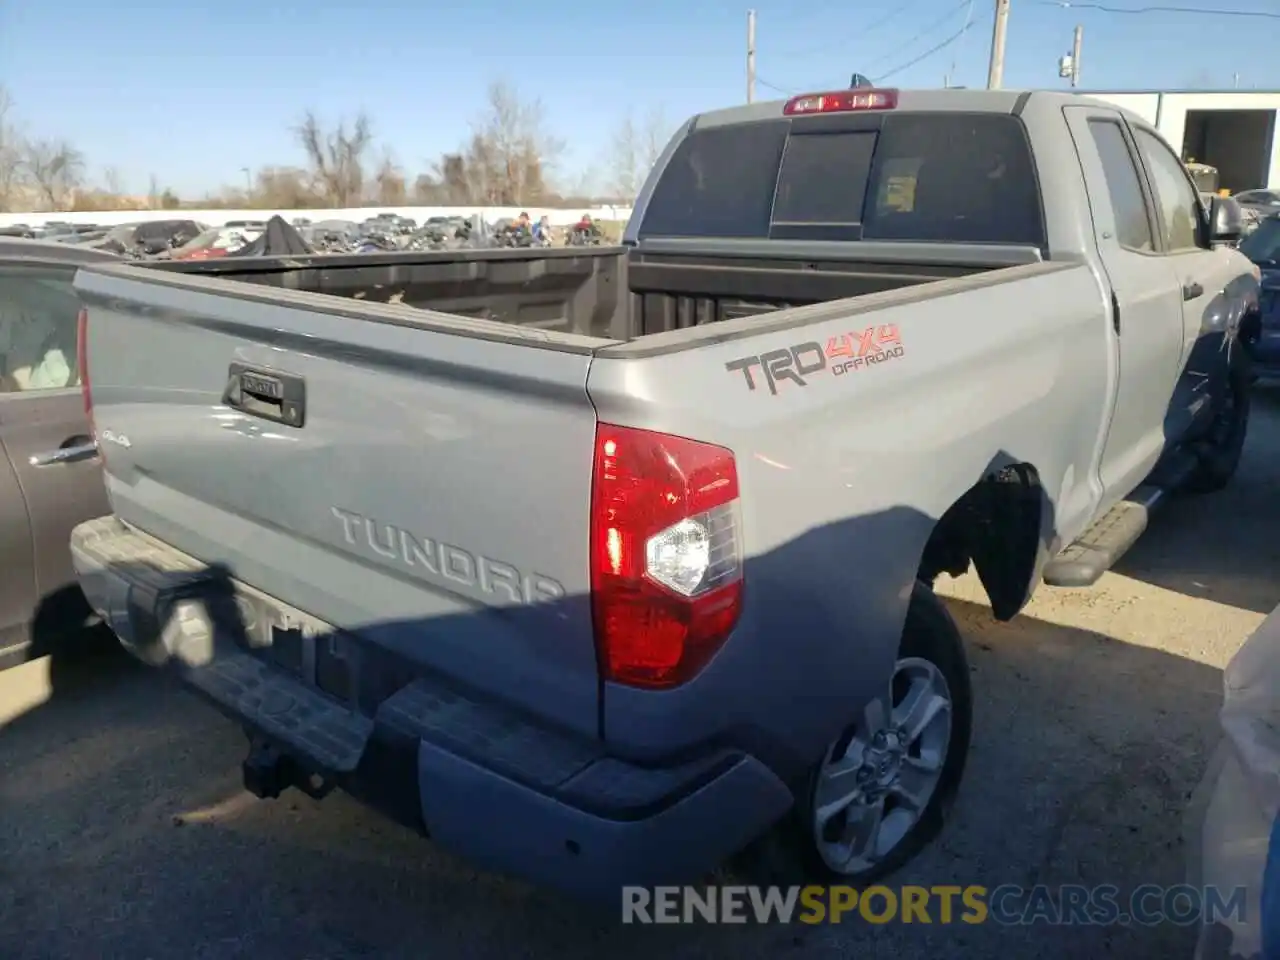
18 579
1202 274
46 438
1146 298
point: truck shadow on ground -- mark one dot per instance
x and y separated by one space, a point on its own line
1224 546
124 828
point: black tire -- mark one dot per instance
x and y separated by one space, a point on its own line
789 853
1220 452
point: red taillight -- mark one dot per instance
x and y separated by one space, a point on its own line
82 361
666 554
841 101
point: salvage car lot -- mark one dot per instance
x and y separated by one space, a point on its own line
1095 711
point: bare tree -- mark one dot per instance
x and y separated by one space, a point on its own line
511 153
112 182
389 183
633 150
11 154
453 180
624 160
337 157
583 189
506 161
284 188
654 136
56 169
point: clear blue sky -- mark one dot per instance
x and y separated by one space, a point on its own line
194 91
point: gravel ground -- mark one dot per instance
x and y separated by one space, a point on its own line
125 833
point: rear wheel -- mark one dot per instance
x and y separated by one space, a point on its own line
883 788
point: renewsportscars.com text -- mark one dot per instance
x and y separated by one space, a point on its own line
1008 905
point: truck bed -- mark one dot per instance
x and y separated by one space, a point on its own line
421 479
611 292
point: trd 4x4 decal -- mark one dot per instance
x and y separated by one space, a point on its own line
843 354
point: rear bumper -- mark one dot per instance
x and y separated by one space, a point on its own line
489 784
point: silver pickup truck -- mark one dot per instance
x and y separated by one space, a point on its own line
599 566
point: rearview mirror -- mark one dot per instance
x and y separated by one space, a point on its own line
1226 220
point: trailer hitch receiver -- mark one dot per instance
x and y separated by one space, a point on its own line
268 773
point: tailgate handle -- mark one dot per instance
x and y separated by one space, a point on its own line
267 393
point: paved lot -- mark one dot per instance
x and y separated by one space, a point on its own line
124 832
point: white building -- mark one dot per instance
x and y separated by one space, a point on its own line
1233 130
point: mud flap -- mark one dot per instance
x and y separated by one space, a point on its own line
1006 543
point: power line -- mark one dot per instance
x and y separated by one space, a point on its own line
928 53
874 25
966 4
968 21
921 34
776 89
1202 11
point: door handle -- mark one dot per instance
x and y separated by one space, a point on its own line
73 454
1191 290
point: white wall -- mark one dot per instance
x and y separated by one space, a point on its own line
215 218
1173 118
1168 113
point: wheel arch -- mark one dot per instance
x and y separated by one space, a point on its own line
1001 526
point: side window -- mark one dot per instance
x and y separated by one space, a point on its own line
1179 202
1133 228
38 310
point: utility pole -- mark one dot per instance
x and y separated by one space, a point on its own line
1076 43
995 72
751 56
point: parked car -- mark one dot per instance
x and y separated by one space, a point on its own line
331 236
55 229
215 242
1257 204
149 237
78 233
623 558
1264 201
50 476
1261 333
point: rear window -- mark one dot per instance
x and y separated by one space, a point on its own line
941 177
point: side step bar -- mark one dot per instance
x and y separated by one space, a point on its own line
1099 548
